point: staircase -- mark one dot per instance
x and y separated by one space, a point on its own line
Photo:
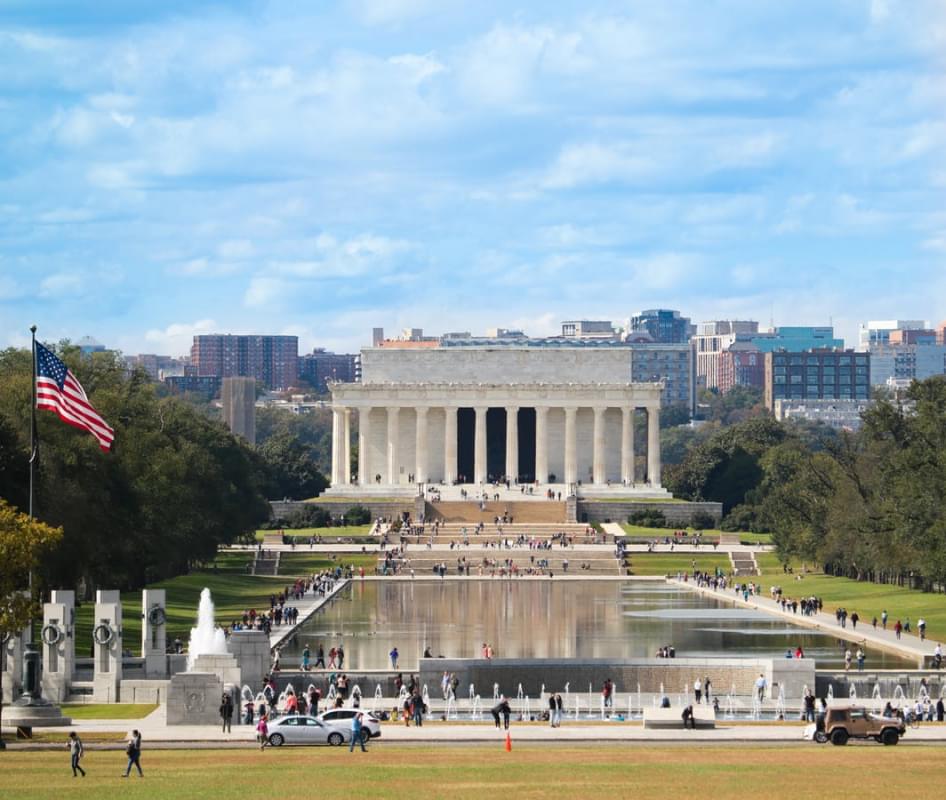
265 562
743 563
460 532
471 511
499 561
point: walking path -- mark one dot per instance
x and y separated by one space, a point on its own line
307 606
909 646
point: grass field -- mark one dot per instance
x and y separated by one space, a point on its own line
345 531
232 589
709 535
801 772
301 563
671 564
107 710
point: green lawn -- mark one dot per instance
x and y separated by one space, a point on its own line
345 531
300 564
474 771
108 710
232 589
671 563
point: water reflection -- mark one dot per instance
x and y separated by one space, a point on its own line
533 619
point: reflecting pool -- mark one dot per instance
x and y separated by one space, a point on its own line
552 619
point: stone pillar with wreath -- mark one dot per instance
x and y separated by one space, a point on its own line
57 641
154 633
107 647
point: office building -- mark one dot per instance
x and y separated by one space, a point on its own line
271 360
662 325
588 329
877 332
816 375
840 414
320 367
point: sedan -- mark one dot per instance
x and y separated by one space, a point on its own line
302 729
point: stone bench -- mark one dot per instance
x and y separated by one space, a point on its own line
671 718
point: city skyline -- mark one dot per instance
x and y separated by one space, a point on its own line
196 168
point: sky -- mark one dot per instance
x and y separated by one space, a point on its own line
320 169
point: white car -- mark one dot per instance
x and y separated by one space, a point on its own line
302 729
340 719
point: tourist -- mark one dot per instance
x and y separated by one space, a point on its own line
921 627
226 711
559 710
688 720
133 751
394 656
760 685
262 731
883 619
331 658
809 706
407 711
607 692
847 659
249 713
698 690
340 656
706 688
860 659
76 752
418 708
356 733
898 628
940 710
854 619
306 655
445 684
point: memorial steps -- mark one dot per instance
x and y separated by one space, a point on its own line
473 511
454 532
424 563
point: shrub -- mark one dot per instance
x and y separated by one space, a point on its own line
648 518
703 521
743 518
357 515
308 516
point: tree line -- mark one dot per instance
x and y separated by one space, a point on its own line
175 487
867 505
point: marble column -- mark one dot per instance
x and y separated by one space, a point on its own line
541 444
653 446
346 446
479 457
364 437
450 446
627 446
598 476
420 446
571 454
512 443
337 434
394 433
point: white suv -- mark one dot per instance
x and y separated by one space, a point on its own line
340 719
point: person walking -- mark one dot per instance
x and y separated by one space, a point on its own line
133 751
706 688
552 711
394 656
75 753
760 685
559 710
262 731
320 657
306 655
883 618
357 724
698 690
898 628
226 711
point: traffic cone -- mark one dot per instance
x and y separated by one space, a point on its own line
508 742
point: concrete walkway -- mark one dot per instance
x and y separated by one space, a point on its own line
307 606
908 646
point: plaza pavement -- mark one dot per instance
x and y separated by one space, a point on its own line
307 606
909 645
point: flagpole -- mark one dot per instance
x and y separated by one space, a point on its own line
34 445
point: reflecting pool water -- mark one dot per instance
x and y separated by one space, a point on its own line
537 619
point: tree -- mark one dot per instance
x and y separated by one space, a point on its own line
292 470
737 405
23 543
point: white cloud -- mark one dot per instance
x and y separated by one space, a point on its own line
387 12
60 283
236 249
596 163
178 337
264 291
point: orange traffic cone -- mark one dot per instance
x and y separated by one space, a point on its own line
508 742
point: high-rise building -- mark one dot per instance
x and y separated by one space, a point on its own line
662 325
158 367
816 375
238 396
320 366
712 339
272 360
670 363
588 329
878 331
740 366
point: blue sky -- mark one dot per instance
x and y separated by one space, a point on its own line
179 167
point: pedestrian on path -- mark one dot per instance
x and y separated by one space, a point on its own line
356 733
760 685
133 751
75 753
898 628
320 657
394 656
226 711
698 690
552 711
883 619
262 731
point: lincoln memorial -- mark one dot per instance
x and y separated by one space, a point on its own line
563 416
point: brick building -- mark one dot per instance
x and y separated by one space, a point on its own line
272 360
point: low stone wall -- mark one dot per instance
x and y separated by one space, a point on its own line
909 681
627 674
678 513
389 509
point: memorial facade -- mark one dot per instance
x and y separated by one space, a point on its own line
476 415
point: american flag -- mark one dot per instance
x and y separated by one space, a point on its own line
58 390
